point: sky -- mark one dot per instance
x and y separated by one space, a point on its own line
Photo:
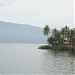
55 13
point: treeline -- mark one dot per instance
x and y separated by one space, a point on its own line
57 37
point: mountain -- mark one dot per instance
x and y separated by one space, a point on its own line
20 33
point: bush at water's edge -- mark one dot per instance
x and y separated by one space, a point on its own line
44 47
56 47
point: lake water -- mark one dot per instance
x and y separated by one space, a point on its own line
28 60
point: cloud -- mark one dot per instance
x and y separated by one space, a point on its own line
38 12
6 2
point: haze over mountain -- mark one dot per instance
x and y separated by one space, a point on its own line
20 33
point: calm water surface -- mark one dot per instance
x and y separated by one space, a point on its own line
27 59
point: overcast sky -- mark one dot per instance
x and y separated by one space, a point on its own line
55 13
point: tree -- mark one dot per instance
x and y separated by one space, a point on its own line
59 37
73 40
46 30
50 40
63 32
71 35
66 31
55 31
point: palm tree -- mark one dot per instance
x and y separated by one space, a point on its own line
55 31
68 34
59 37
66 31
66 28
63 34
71 35
46 30
50 40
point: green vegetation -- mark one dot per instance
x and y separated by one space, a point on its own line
46 31
59 39
44 47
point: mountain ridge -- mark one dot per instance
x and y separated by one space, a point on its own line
20 33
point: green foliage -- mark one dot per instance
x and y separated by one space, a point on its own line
73 40
44 47
46 30
58 36
50 40
55 32
58 47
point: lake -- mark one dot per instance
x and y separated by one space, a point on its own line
27 59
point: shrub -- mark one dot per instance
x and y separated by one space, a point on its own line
58 47
44 47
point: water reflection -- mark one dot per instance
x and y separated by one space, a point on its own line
27 59
56 62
